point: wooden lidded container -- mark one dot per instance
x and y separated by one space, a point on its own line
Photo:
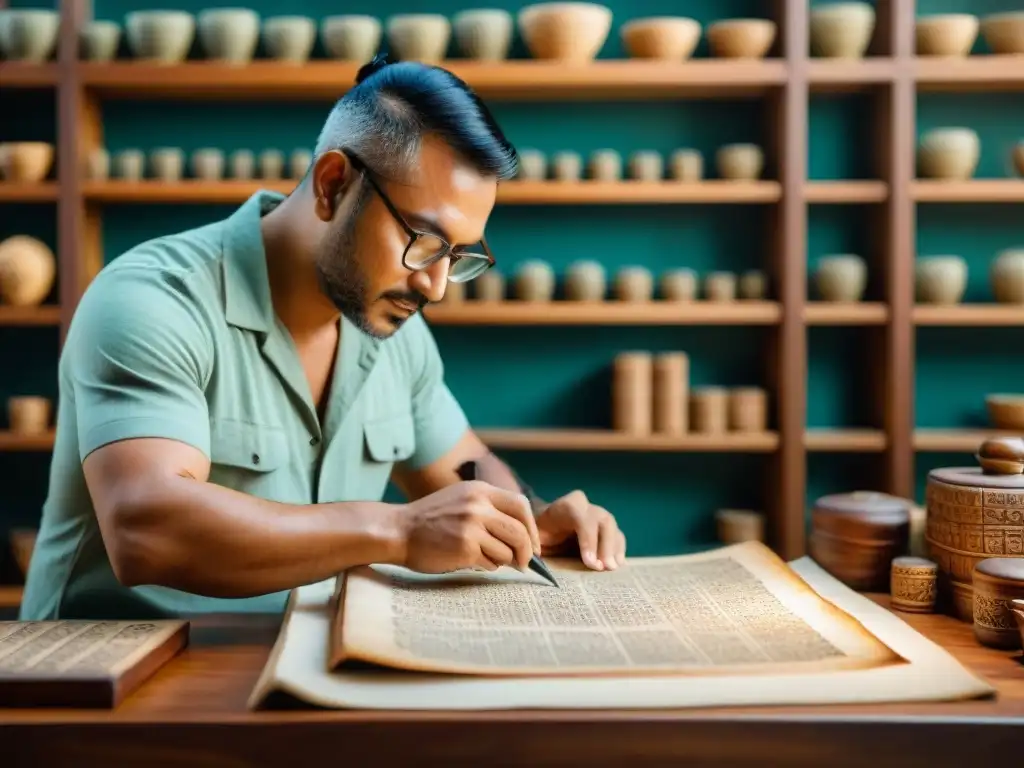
855 537
974 513
997 582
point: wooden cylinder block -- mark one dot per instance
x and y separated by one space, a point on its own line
709 410
748 409
671 384
28 415
913 584
631 392
996 582
738 525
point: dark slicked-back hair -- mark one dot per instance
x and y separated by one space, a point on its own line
393 105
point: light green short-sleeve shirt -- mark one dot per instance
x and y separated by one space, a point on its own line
177 338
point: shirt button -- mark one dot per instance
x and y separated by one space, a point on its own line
314 440
255 458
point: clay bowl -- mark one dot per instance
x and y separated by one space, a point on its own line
28 269
949 153
23 542
941 279
351 37
740 162
1007 276
1005 411
419 36
28 34
741 38
668 38
229 35
841 277
484 34
567 32
160 37
1004 32
27 162
841 30
99 40
289 38
946 34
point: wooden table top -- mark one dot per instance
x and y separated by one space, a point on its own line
194 710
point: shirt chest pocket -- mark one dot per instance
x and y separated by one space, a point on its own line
387 441
248 457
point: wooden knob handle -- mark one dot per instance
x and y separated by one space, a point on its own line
1002 456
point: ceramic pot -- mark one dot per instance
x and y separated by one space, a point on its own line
634 284
646 165
289 39
585 281
1004 32
945 34
97 165
271 164
167 163
740 162
734 526
720 286
490 286
606 165
535 281
949 153
841 277
419 36
668 38
99 40
941 279
567 166
741 38
28 34
28 162
28 268
709 410
160 37
841 30
129 164
1007 276
28 415
242 164
229 35
208 164
748 409
564 31
484 34
753 285
299 162
678 284
532 165
686 165
351 37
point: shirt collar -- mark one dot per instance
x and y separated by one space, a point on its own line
247 300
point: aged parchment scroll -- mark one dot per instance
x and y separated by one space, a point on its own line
694 614
793 635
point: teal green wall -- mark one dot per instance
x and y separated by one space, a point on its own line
560 376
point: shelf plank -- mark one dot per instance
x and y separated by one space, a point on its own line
867 191
956 440
29 316
16 74
513 312
515 79
845 313
972 191
9 441
15 192
961 315
972 73
512 192
10 596
848 75
610 440
845 440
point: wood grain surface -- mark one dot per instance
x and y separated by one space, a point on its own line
193 713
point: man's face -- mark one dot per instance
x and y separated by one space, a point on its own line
359 260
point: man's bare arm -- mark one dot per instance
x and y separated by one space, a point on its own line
162 523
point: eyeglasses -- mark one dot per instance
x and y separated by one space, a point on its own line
426 248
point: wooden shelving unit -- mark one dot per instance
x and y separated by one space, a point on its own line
29 316
10 441
892 75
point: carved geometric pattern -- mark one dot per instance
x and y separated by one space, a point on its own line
914 589
992 613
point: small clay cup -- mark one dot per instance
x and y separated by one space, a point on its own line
585 281
841 277
686 165
299 162
271 164
735 526
484 34
753 285
229 35
533 165
129 164
351 37
605 165
28 415
646 165
567 166
419 37
490 286
289 39
740 162
535 281
678 284
634 284
167 163
99 40
242 164
97 165
720 286
207 164
941 279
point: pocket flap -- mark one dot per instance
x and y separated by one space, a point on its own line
390 439
256 447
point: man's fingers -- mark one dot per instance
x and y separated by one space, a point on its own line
587 535
496 553
621 556
510 533
518 506
608 540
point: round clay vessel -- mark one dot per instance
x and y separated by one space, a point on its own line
679 284
1005 411
167 163
720 286
1007 276
28 268
289 38
242 164
129 164
271 164
351 37
949 153
28 34
945 34
741 38
535 281
841 277
564 31
490 286
734 526
686 165
605 165
484 34
533 165
299 162
740 162
567 166
585 281
753 285
1004 32
160 37
419 36
28 162
646 165
941 279
229 35
97 165
634 284
207 164
99 40
28 415
997 581
841 30
668 38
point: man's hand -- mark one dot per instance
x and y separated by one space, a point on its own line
602 545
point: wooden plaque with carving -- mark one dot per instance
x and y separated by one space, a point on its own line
82 664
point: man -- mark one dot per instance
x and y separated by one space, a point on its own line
235 398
